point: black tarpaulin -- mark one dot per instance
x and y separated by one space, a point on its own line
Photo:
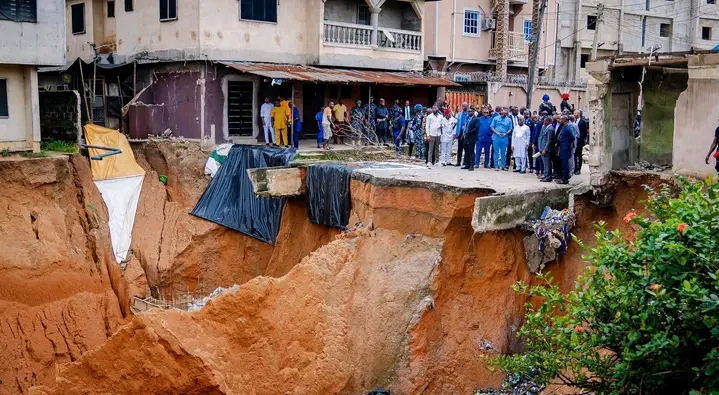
328 194
230 201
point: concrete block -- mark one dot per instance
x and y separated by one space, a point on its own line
597 66
278 181
509 211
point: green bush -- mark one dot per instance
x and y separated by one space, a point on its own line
644 319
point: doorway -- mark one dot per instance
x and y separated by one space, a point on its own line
313 98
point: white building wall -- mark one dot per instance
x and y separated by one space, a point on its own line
20 130
41 43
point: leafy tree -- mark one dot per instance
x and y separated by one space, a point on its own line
644 318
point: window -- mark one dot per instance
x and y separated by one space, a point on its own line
128 5
77 12
168 10
706 33
583 59
471 23
346 92
18 10
665 30
527 29
3 99
363 15
711 2
591 22
110 9
259 10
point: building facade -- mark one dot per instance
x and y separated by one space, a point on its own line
202 68
32 34
485 46
624 26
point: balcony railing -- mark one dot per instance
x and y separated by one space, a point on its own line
347 34
399 39
518 47
353 35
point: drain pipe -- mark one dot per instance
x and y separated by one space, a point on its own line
436 28
112 151
454 28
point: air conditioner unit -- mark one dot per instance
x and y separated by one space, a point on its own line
489 24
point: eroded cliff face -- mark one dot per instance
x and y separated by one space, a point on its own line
411 302
56 297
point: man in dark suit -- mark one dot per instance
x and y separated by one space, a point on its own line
470 138
566 141
583 127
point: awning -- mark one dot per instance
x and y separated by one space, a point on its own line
315 74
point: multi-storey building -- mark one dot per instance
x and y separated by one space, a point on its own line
633 26
31 35
210 63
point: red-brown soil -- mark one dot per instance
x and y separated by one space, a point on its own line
411 302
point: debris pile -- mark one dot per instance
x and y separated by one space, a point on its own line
515 385
551 234
643 165
198 303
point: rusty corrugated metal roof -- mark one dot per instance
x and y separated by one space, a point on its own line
315 74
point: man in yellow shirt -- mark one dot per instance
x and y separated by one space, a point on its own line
340 126
279 121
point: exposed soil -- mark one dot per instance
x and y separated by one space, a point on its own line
411 301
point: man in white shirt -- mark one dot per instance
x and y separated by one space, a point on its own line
434 131
266 116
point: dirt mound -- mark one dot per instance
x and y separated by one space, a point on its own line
56 298
180 253
339 322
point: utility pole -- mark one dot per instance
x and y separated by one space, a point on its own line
595 42
536 33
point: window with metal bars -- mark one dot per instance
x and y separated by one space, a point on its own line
18 10
128 5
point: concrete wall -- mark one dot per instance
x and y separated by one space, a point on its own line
140 30
499 94
439 35
21 129
60 115
660 98
41 43
696 118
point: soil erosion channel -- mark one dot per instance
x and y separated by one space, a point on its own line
410 303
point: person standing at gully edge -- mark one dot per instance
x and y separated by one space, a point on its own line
266 115
462 118
434 133
484 144
470 139
501 126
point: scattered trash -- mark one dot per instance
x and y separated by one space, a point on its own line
485 345
551 236
163 179
379 391
646 166
197 304
514 385
216 159
166 134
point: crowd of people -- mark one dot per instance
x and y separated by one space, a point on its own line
546 142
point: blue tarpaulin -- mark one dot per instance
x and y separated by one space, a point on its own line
230 201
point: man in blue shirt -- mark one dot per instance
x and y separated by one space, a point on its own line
484 144
501 126
462 119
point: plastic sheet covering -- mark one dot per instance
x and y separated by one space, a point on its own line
328 194
121 196
216 159
115 166
230 201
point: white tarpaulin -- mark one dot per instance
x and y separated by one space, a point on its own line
216 159
121 196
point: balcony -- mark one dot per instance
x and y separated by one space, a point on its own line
518 48
360 36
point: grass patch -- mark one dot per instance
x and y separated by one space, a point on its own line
69 147
28 154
